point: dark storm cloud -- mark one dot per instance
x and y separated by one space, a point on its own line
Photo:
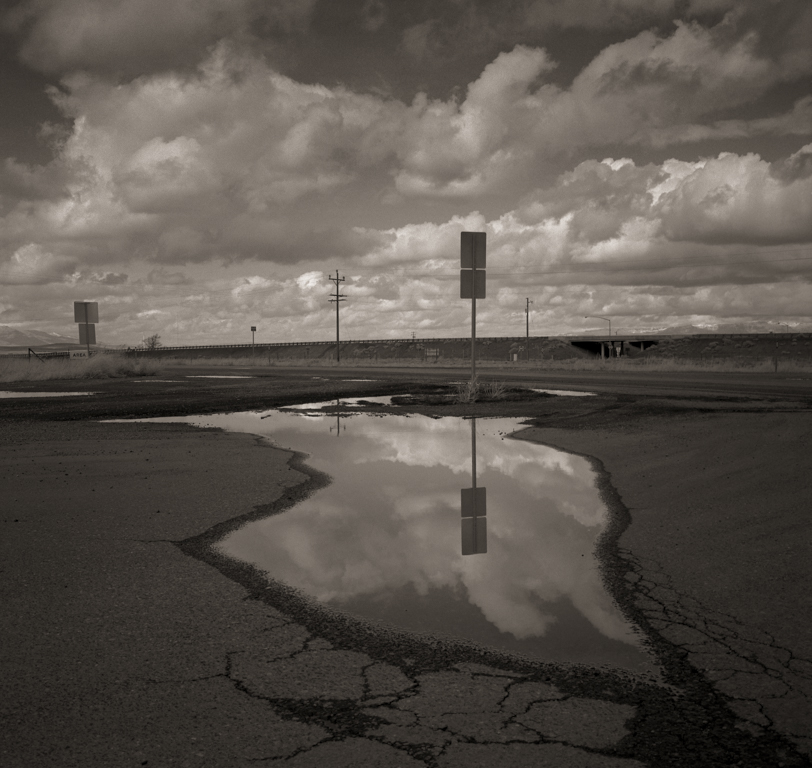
129 38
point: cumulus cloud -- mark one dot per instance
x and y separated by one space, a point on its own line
738 199
33 265
168 176
193 167
208 164
648 90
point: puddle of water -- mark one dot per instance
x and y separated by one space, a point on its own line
44 394
565 392
219 377
384 541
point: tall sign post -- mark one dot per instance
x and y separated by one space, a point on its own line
527 326
86 313
472 281
474 508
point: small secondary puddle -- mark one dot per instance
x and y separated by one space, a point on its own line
353 401
387 540
565 392
44 394
219 377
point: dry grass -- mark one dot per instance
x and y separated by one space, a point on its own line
470 391
466 391
97 367
494 390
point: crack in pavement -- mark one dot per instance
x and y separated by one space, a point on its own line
434 717
767 685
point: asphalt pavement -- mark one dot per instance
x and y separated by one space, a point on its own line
127 640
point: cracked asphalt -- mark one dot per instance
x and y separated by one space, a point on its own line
128 641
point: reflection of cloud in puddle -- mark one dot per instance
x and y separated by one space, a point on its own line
389 525
379 528
219 377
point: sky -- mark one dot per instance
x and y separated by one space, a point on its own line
198 167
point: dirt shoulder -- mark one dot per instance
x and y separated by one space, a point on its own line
120 649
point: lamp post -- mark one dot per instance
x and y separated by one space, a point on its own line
608 320
601 317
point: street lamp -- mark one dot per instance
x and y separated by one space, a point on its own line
601 317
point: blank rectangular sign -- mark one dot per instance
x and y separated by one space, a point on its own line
473 502
474 536
472 250
470 278
92 308
87 333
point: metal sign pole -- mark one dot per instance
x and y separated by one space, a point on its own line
472 283
473 339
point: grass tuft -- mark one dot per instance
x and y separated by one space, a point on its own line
471 391
466 391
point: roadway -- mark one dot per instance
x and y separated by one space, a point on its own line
693 384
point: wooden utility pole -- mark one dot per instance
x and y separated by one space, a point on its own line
337 297
527 325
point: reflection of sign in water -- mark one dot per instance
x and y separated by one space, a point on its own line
474 509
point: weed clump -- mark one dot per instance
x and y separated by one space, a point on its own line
471 391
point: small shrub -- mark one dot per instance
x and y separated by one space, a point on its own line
466 391
495 390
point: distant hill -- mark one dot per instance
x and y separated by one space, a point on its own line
14 337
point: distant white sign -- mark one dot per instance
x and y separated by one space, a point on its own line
78 354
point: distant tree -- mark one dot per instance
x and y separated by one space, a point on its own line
152 342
